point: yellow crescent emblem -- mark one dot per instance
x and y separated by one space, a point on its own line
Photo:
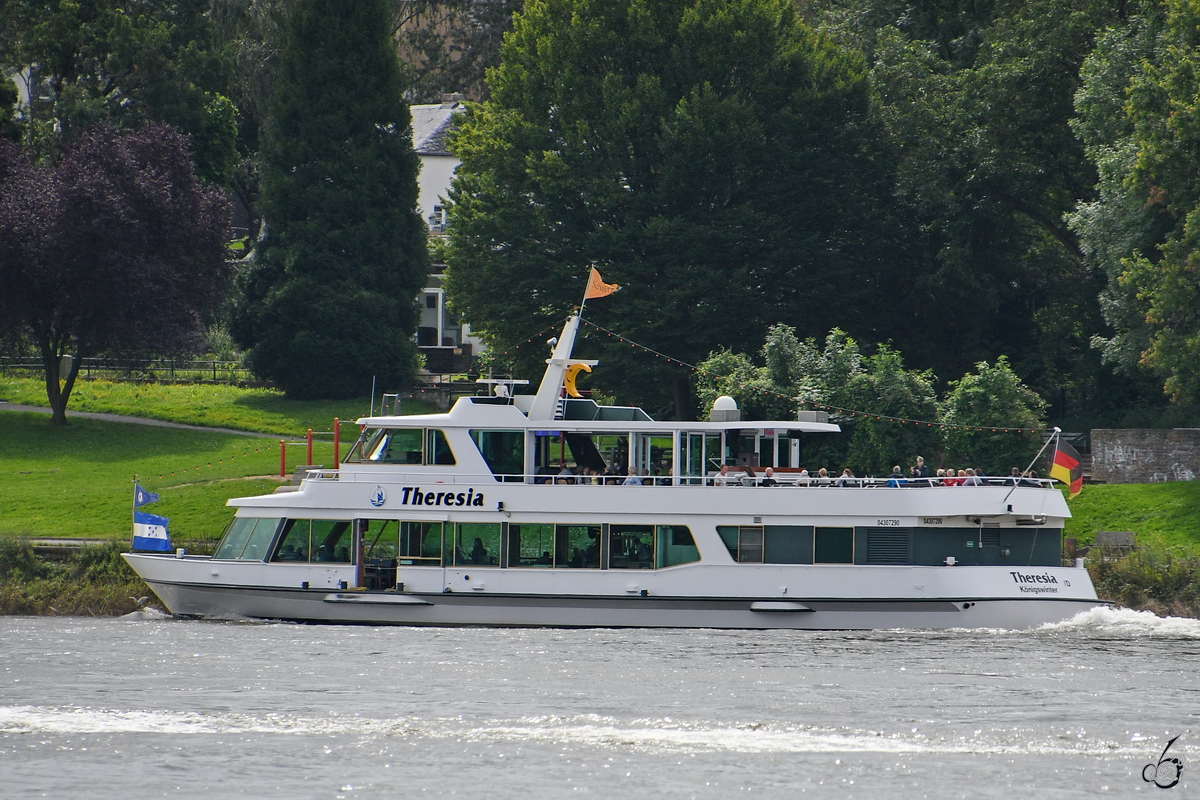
569 381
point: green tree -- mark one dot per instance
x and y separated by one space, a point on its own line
329 303
1164 108
884 388
992 398
1139 117
716 159
977 100
89 61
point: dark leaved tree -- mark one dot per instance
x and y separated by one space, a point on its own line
116 247
716 159
329 302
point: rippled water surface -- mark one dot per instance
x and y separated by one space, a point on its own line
134 708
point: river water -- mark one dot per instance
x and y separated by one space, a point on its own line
154 707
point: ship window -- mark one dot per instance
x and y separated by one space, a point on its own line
750 544
438 451
504 451
421 544
326 540
379 540
296 542
247 538
407 446
531 546
744 543
477 544
833 546
399 446
675 545
577 546
729 537
631 546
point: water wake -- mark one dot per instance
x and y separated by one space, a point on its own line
1127 623
592 731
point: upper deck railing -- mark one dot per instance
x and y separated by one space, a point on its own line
428 477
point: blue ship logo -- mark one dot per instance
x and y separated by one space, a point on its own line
378 496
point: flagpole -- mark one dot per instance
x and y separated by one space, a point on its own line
1053 438
133 515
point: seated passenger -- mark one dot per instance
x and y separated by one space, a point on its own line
722 478
823 477
896 479
973 479
324 553
479 553
847 478
768 478
749 479
544 559
802 478
632 480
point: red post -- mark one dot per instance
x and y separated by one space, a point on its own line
337 425
282 458
310 461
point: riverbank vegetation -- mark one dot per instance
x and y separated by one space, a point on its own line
95 580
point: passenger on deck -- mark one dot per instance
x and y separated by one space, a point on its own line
847 478
479 553
633 479
769 478
722 478
922 469
823 477
802 478
1014 477
749 479
973 479
896 479
591 557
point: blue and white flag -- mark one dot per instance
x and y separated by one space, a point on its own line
141 497
150 532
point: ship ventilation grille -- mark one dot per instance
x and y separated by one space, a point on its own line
887 546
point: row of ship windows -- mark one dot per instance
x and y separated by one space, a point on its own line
406 543
613 546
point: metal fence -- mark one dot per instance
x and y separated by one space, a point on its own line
149 369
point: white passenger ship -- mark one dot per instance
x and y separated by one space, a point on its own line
469 518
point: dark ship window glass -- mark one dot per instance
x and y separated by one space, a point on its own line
833 546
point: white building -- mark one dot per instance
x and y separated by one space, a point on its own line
446 342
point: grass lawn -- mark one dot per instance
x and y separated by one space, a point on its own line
77 481
1164 514
211 405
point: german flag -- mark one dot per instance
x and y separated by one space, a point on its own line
1067 468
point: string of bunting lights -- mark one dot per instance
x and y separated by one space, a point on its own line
231 458
815 405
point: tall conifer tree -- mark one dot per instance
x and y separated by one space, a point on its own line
330 302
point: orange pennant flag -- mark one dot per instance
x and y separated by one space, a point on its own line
598 288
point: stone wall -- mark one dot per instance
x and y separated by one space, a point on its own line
1135 455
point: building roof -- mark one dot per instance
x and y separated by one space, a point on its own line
430 125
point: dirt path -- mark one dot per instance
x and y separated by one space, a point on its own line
6 406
